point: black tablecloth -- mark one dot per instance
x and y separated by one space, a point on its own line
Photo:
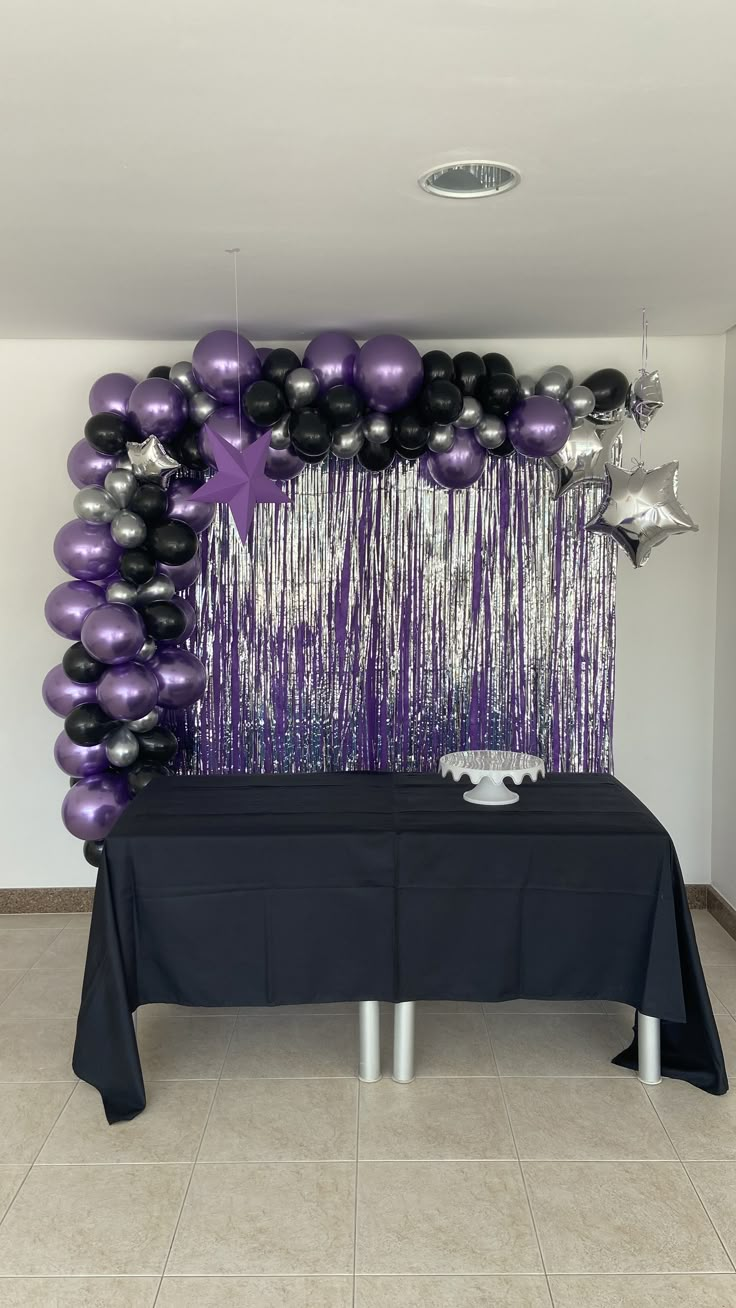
301 889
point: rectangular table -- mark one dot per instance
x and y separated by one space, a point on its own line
258 890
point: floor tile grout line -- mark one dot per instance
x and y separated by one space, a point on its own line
355 1197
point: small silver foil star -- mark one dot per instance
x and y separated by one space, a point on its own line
644 398
583 458
641 510
150 462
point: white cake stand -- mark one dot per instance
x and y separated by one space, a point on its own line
487 770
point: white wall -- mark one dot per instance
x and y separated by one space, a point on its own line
724 808
666 611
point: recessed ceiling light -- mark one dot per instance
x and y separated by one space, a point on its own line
469 179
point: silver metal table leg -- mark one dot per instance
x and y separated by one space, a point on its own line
649 1055
369 1021
404 1042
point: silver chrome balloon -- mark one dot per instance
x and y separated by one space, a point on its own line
583 458
150 461
644 398
147 651
124 463
127 529
121 484
121 592
346 441
579 402
490 432
121 748
301 388
564 371
159 588
181 374
146 723
377 428
93 504
441 438
525 383
201 405
552 384
641 510
471 413
280 434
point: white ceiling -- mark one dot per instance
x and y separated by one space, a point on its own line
140 138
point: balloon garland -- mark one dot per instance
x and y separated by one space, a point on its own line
258 417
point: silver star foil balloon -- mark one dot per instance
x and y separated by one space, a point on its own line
150 462
583 458
644 398
641 510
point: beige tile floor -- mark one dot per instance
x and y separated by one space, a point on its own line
520 1170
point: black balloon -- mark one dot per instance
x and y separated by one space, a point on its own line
164 621
494 363
309 435
186 449
469 369
264 403
150 502
441 402
109 433
410 433
87 724
137 566
93 852
172 542
406 452
503 451
140 775
610 388
377 457
438 366
278 364
157 746
340 406
162 370
497 393
80 666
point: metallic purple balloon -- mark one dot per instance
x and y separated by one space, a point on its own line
331 356
113 633
263 352
79 760
198 516
110 393
86 466
183 575
92 807
68 605
283 465
389 372
190 613
459 467
86 550
158 407
181 677
239 432
127 691
224 364
61 694
538 427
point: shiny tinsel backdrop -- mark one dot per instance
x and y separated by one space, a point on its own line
370 619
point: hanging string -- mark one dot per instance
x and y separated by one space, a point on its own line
644 363
235 251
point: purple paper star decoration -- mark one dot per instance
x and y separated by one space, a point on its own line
240 480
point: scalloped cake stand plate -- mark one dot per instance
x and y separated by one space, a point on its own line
487 770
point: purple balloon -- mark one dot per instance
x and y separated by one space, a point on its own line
68 605
110 394
113 633
283 465
459 467
224 364
389 372
239 432
158 407
86 466
539 426
61 694
331 356
198 516
183 575
86 550
263 352
79 760
187 608
181 678
127 691
92 807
